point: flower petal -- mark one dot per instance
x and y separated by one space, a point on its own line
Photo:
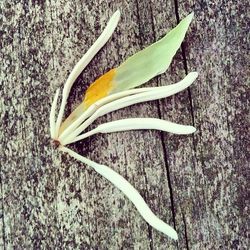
84 61
138 123
154 94
131 193
151 61
78 116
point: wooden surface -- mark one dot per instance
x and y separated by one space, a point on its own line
196 183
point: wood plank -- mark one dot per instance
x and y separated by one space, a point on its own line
209 181
196 183
51 200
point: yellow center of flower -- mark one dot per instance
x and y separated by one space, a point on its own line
99 88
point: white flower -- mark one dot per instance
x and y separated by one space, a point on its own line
113 91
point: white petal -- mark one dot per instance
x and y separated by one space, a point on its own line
108 99
52 118
91 110
138 123
129 191
80 66
153 94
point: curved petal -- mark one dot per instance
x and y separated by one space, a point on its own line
138 123
131 193
155 94
78 116
84 61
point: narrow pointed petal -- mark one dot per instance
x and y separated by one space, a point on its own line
52 116
78 116
80 66
144 123
132 194
136 124
155 94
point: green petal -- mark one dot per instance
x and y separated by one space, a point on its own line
151 61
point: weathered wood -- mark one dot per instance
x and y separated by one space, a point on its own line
195 183
210 199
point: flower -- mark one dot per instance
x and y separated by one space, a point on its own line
113 91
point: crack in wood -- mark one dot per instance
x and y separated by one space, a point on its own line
185 230
2 208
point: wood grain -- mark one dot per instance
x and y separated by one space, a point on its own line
198 183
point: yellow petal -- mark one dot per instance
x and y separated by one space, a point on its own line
100 88
97 90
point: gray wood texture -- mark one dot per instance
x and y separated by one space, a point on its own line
196 183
